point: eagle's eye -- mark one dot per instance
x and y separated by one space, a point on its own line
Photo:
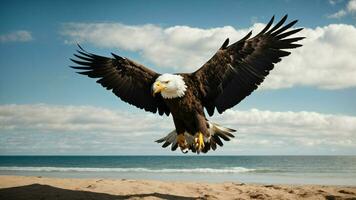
165 82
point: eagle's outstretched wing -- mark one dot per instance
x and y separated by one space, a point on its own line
236 70
128 80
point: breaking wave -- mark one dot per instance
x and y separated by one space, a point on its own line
148 170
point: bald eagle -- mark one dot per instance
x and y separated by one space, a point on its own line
233 73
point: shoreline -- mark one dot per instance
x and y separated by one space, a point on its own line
31 187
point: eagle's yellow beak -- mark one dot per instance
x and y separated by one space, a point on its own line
157 88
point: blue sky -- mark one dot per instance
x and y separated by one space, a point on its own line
37 38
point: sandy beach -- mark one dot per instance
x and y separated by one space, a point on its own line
24 187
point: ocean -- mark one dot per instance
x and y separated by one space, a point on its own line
326 170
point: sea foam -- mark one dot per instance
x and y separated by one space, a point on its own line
148 170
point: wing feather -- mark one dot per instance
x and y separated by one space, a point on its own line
235 71
128 80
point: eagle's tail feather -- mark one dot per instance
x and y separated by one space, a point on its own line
171 138
216 131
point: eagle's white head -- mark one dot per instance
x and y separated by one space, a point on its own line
170 86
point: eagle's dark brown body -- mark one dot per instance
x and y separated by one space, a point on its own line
232 74
188 111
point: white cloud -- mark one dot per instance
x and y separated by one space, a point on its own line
333 2
98 130
351 6
53 118
291 132
178 47
16 36
350 9
293 124
338 14
325 61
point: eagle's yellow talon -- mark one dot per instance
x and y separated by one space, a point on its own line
199 142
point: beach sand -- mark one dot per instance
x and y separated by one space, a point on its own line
42 188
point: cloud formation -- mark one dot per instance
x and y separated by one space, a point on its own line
303 127
325 61
334 2
349 9
338 14
178 47
53 118
16 36
99 130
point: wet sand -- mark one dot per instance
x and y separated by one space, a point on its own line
36 188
